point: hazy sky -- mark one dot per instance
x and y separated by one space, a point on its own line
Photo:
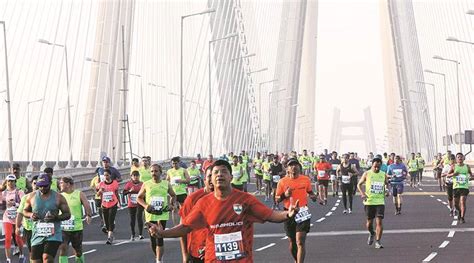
349 67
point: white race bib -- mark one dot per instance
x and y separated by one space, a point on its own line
321 173
276 178
398 172
44 229
334 166
174 181
157 202
302 215
377 188
11 212
229 246
236 174
68 224
461 179
346 179
108 196
133 198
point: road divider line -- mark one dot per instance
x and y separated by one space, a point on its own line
431 195
334 209
329 213
444 244
439 200
451 233
455 223
444 203
430 257
265 247
87 252
123 242
283 238
320 220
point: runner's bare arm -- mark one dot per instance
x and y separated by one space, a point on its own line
87 207
360 183
180 230
282 216
64 208
141 197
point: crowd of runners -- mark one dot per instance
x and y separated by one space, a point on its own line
210 203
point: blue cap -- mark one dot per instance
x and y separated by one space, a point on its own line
106 159
43 180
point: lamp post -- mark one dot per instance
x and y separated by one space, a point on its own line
210 80
458 95
43 41
453 39
269 115
445 103
143 112
260 115
57 167
181 103
166 117
29 167
10 144
434 109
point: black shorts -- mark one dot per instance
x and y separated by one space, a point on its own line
27 238
449 191
291 227
373 211
324 183
73 237
181 198
48 247
460 192
159 241
195 260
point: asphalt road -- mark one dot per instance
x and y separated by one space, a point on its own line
423 232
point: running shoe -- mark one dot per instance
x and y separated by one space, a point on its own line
132 238
345 211
109 241
16 251
349 211
104 229
141 237
370 240
378 244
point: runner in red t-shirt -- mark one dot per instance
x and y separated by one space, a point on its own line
228 215
194 243
323 170
131 189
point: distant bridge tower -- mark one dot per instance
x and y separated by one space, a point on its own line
367 131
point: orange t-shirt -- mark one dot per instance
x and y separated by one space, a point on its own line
300 187
321 170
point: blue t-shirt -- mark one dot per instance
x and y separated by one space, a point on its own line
397 173
383 167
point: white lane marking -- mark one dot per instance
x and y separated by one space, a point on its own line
430 257
451 233
334 208
338 200
329 213
265 247
120 243
431 195
420 189
444 203
439 200
444 244
87 252
283 238
337 204
455 217
320 220
455 222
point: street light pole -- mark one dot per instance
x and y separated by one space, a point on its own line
29 167
210 86
143 111
260 105
458 95
10 144
166 117
445 104
43 41
434 109
181 93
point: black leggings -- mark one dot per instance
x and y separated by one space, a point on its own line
157 241
109 217
136 213
347 191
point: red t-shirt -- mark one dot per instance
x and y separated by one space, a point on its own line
206 164
229 225
197 238
133 190
109 197
321 170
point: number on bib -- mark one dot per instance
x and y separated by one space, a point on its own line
108 196
321 173
133 198
302 215
377 188
157 202
68 224
11 212
45 229
276 178
229 246
346 179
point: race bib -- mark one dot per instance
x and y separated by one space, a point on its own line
157 202
229 246
449 180
174 181
44 229
198 165
346 179
398 172
68 224
377 188
321 173
306 163
302 215
461 179
133 198
276 178
334 166
11 212
235 175
108 196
